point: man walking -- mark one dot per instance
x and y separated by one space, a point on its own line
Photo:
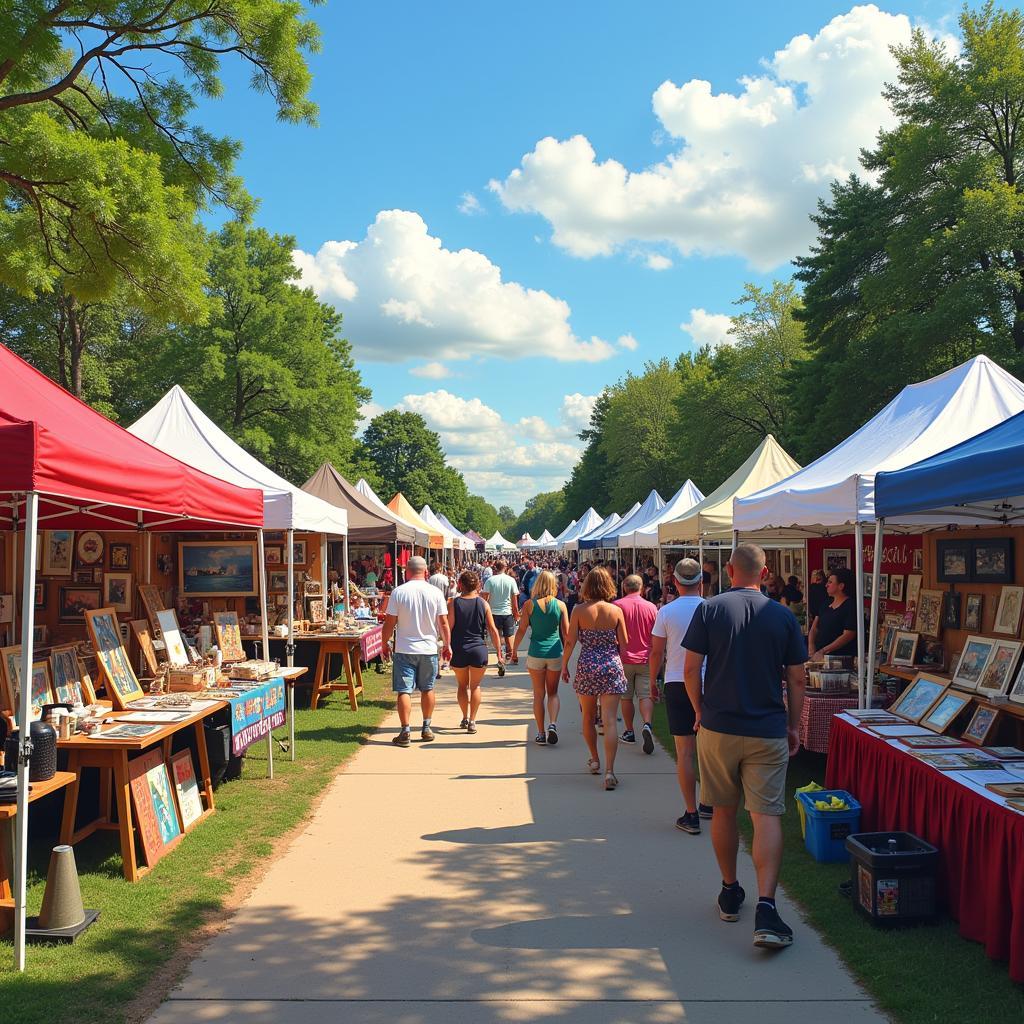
667 639
747 644
438 579
530 574
416 614
502 593
640 615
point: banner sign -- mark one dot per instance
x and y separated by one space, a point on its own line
255 713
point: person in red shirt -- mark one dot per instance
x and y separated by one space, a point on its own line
639 614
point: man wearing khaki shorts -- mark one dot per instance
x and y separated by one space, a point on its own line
639 614
745 731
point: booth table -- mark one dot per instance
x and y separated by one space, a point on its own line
816 718
980 843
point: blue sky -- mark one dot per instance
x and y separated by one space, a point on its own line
497 303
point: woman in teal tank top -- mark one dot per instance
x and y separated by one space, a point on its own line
549 624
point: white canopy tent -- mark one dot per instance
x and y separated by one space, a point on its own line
613 520
590 520
652 504
498 543
525 542
450 541
422 539
462 541
544 540
595 538
645 534
552 544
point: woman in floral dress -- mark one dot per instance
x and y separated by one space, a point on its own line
600 629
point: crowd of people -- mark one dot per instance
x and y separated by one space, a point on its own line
727 657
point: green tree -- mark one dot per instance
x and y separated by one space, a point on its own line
588 484
545 511
481 516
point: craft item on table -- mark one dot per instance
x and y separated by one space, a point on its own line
931 740
995 680
114 664
869 713
170 631
972 616
973 661
229 636
70 683
894 732
1016 805
254 669
919 696
982 723
1010 789
941 715
1005 753
126 732
960 760
929 612
155 808
186 788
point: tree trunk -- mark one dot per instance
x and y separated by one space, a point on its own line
77 339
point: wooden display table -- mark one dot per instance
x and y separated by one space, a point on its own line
346 645
111 758
8 812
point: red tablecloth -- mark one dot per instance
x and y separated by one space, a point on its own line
981 845
816 719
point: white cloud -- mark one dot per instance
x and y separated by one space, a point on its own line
655 261
433 371
708 328
576 410
367 413
749 166
628 342
405 296
469 204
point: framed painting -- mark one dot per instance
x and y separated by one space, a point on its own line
998 674
10 677
896 587
1016 691
120 557
216 568
164 564
144 638
929 612
993 560
58 552
951 606
904 648
973 662
229 636
67 676
834 558
170 632
1011 600
954 561
41 594
114 664
980 727
883 586
152 602
156 813
919 696
274 555
186 788
74 601
42 687
913 590
117 591
89 550
941 715
299 552
918 560
972 615
278 582
39 633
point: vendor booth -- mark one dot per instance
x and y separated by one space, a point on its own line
466 544
648 509
453 540
593 541
589 521
498 543
606 524
543 541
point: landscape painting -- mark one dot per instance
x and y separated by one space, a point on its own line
217 569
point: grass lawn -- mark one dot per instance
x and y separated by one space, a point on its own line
918 975
143 926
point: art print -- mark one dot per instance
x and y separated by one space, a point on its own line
896 587
229 636
918 559
981 724
74 601
217 569
89 549
943 712
114 663
11 663
127 732
164 564
186 788
117 591
834 558
951 605
317 610
58 552
993 561
120 556
999 671
1011 600
913 591
299 552
144 638
278 582
929 612
904 648
954 561
918 697
67 675
170 631
155 810
40 599
972 615
973 661
42 687
273 555
152 602
930 742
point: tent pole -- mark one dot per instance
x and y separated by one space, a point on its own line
28 608
394 582
858 554
876 571
344 555
265 631
14 574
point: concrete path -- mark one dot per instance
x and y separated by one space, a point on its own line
484 879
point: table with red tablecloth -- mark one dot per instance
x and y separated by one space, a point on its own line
817 714
980 843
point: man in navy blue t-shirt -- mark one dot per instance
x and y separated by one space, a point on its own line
745 731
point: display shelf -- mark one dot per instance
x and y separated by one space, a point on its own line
910 674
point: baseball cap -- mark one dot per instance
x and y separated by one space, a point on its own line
416 564
688 572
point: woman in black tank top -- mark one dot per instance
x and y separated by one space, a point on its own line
471 621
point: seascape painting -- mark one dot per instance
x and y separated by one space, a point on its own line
217 569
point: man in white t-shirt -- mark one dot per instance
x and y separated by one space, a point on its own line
416 614
438 579
667 637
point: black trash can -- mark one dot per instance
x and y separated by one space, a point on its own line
893 877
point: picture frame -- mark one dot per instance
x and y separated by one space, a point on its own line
39 634
42 686
10 676
888 639
152 602
67 676
208 569
980 727
834 558
273 555
1008 611
918 560
919 696
896 587
951 606
120 557
278 583
170 633
299 552
112 659
229 636
883 586
973 612
941 715
74 600
117 591
929 613
1016 693
144 638
953 561
6 608
40 599
993 560
998 674
912 593
83 576
973 662
156 811
89 550
904 648
164 564
58 552
317 610
186 789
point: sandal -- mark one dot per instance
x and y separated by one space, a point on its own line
594 767
610 781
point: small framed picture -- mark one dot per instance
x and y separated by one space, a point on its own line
996 678
74 601
299 548
278 582
918 560
120 556
274 555
89 550
954 561
117 591
981 725
41 595
883 586
164 565
57 552
972 616
1011 600
929 612
941 715
834 558
951 605
896 587
913 589
904 648
919 696
973 661
993 560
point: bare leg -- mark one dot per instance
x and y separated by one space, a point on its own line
767 851
610 711
554 701
589 706
427 701
476 693
627 713
646 710
537 680
404 707
726 840
686 772
462 693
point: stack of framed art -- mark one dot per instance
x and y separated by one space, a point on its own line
166 803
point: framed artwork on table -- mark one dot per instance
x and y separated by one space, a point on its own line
913 589
919 696
42 687
981 725
998 674
993 560
89 550
954 561
229 635
117 591
317 610
186 788
67 676
834 558
941 715
274 555
74 601
156 812
208 569
299 548
904 648
152 602
896 587
929 612
951 605
1011 601
58 552
144 638
888 640
972 615
973 662
120 557
114 664
170 632
883 586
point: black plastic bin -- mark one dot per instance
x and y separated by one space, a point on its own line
893 877
223 767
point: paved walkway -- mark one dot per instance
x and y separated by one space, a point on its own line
484 879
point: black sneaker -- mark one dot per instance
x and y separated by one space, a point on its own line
464 723
501 668
471 728
770 931
690 823
648 738
552 735
403 739
729 902
705 810
628 736
426 734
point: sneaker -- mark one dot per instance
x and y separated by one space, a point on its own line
628 736
552 734
690 823
648 738
540 738
705 810
426 734
729 903
464 723
770 931
403 739
501 668
471 728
